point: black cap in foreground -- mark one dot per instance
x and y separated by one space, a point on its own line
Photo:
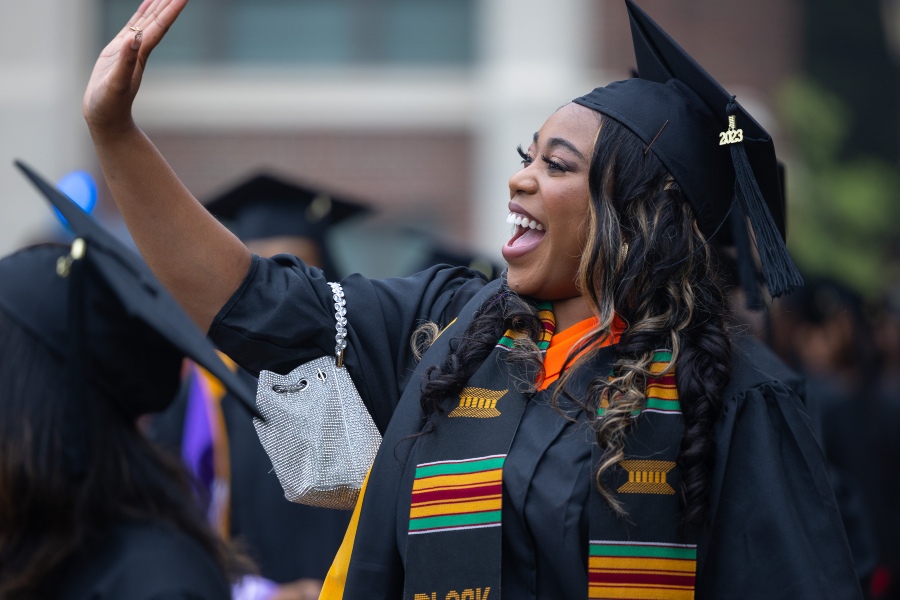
719 155
98 307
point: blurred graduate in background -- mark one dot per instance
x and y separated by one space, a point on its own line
447 254
755 330
824 332
274 216
91 341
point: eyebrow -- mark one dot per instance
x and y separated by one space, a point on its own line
554 142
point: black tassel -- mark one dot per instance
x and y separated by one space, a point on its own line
744 263
780 273
75 451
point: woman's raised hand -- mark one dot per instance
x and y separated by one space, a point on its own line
117 73
190 252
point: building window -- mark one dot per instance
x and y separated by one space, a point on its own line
320 32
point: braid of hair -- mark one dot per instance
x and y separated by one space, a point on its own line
703 370
503 311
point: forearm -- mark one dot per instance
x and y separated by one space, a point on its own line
192 254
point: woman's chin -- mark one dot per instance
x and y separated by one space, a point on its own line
518 282
513 282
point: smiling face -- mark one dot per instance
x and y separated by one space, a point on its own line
549 204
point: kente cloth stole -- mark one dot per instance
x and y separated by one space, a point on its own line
455 536
454 543
646 555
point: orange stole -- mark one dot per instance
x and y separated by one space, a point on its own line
562 344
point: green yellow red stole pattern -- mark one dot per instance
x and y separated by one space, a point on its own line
548 327
454 536
649 558
453 495
619 569
455 521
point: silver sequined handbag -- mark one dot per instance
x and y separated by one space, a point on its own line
318 433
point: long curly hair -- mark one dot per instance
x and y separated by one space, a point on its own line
504 311
646 262
47 512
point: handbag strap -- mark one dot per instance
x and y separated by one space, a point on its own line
340 317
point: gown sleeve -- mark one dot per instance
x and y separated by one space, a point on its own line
282 315
776 531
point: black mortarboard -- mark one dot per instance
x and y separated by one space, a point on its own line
712 147
99 308
265 206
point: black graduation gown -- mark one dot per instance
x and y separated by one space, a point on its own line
777 532
287 541
765 360
142 561
848 493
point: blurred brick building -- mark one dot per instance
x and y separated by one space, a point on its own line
415 106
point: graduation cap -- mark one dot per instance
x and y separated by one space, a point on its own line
265 206
719 155
98 307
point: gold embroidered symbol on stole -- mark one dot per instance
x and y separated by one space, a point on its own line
478 403
647 477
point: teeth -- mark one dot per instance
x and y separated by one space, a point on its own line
523 221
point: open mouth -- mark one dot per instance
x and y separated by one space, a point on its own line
527 234
523 221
